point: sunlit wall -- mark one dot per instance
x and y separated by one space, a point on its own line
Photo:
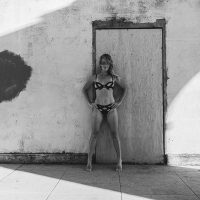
54 37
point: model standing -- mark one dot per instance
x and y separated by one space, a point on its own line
104 106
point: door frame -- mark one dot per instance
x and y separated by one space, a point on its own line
122 23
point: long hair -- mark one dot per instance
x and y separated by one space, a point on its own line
108 58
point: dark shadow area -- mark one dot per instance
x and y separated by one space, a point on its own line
73 14
136 181
15 79
14 74
140 181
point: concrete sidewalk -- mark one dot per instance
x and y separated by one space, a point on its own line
72 182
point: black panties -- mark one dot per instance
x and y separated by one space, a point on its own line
104 109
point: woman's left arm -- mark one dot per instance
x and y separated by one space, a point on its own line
123 87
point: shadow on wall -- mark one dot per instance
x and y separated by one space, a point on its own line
14 74
71 13
14 71
32 30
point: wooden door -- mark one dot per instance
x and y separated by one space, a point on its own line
137 58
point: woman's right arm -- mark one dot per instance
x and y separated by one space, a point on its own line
86 87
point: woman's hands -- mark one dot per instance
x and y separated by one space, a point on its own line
93 105
116 104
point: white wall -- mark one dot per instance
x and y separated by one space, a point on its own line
183 62
55 39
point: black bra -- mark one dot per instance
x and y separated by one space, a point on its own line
108 85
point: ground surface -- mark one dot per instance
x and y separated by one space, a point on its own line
72 182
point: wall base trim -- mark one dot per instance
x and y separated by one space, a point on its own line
183 159
81 158
41 158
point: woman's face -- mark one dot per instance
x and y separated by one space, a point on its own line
104 65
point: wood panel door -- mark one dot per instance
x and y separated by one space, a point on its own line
137 58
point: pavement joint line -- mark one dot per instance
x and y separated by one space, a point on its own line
120 186
11 172
56 184
185 195
188 186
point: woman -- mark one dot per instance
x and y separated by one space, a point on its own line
104 106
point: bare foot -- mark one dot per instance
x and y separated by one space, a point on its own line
119 166
88 168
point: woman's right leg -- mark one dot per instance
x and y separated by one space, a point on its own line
96 124
112 118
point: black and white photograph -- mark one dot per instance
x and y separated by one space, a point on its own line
99 99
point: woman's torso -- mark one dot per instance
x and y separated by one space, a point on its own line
104 89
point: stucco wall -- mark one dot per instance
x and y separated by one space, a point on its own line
55 39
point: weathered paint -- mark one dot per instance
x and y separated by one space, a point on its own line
105 154
137 56
51 114
38 158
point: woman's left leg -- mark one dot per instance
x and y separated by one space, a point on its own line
112 118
